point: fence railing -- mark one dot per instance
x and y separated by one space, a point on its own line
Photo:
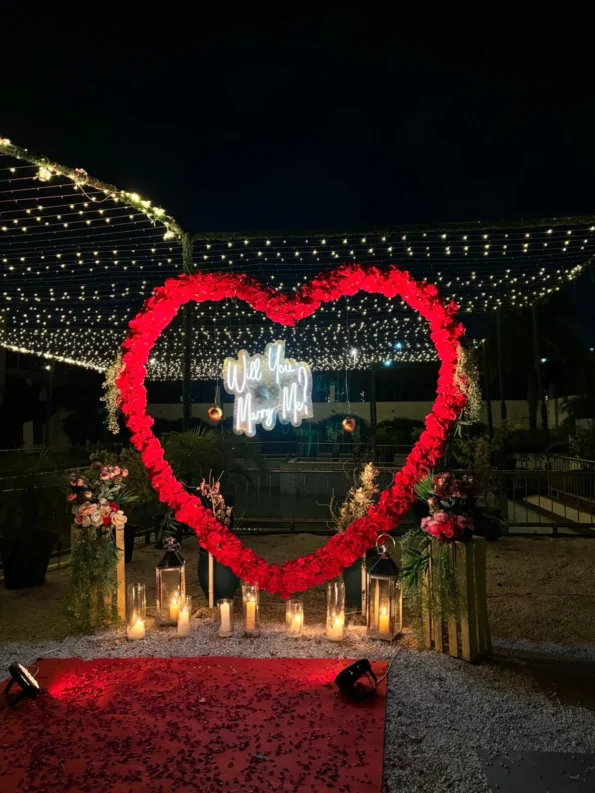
301 498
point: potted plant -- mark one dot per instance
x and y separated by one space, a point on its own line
27 493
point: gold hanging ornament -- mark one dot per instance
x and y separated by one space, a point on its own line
215 414
348 424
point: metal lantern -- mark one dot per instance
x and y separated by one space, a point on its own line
385 600
171 584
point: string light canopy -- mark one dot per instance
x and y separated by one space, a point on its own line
79 256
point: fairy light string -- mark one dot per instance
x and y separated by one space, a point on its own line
78 257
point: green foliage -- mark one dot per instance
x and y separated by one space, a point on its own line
429 578
138 486
93 580
199 453
425 487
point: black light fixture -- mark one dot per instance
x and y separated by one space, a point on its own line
357 680
29 686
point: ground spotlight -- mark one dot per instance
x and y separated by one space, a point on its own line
357 680
29 686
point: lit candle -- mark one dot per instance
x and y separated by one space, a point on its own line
184 622
334 631
296 623
384 621
174 608
250 614
225 611
137 630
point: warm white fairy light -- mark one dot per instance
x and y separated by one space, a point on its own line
70 281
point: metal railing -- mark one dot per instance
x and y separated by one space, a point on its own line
297 498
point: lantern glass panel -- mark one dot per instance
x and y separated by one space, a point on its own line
384 617
170 587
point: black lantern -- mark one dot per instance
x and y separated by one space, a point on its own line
385 600
171 584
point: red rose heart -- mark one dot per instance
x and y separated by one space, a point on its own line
342 549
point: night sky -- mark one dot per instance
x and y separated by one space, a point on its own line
305 120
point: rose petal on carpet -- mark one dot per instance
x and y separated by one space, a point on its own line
154 725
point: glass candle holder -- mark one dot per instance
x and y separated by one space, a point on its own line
294 618
184 615
335 611
251 608
225 617
136 611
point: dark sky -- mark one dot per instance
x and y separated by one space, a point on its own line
238 120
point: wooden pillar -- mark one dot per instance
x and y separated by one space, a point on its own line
503 411
48 406
373 418
486 387
187 312
539 370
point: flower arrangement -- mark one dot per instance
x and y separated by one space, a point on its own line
96 497
211 497
94 503
359 499
287 309
452 502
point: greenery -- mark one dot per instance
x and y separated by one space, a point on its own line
429 579
93 578
199 453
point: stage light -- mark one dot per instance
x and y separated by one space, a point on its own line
29 686
357 680
388 363
543 360
398 346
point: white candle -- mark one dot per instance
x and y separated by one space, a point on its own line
384 621
250 615
174 608
296 624
136 631
334 631
225 612
184 623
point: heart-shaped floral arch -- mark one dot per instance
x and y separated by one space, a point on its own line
342 549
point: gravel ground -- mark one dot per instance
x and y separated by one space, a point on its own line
440 711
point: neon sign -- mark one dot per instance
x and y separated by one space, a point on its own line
268 387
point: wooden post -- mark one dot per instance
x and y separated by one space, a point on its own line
187 312
503 410
486 387
121 576
539 371
373 420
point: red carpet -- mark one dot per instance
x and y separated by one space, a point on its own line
155 725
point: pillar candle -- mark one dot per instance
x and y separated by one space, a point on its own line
184 623
225 618
136 631
174 608
250 615
384 621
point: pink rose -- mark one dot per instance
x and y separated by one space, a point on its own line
78 519
124 471
80 482
71 497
